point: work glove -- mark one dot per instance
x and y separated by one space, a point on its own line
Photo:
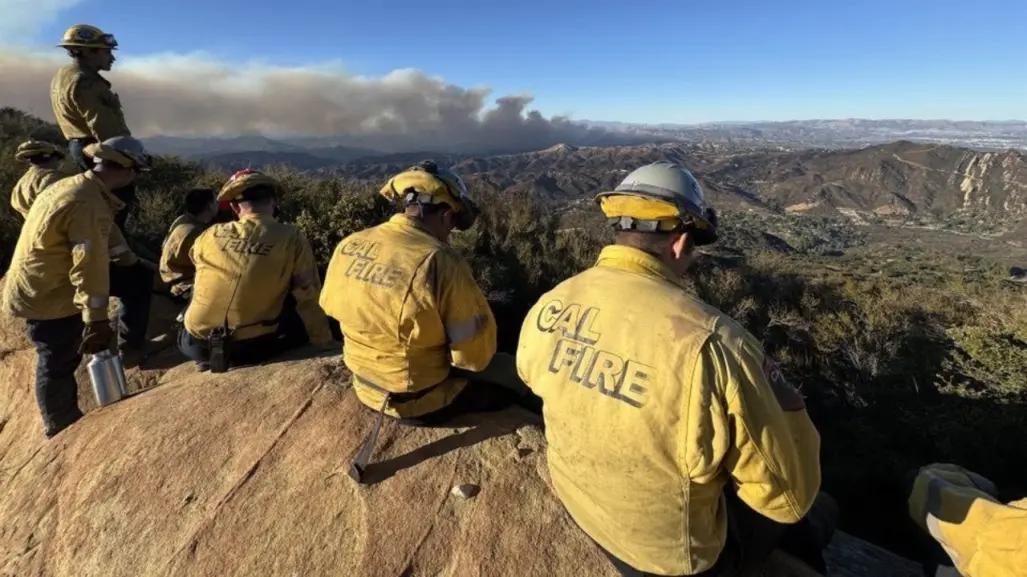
96 337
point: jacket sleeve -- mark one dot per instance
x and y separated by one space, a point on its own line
100 108
306 287
329 298
20 200
88 231
961 511
175 264
774 452
465 313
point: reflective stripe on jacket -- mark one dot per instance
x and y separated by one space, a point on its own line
653 401
410 310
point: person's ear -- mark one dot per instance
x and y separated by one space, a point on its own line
448 218
682 245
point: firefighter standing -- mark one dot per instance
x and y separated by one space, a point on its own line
256 285
664 417
86 109
59 279
88 112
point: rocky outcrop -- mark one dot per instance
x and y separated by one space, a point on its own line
245 474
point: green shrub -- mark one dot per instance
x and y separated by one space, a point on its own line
907 355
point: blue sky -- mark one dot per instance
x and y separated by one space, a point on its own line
642 61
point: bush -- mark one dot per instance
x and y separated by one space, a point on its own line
906 357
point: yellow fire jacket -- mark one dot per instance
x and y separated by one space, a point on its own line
959 508
35 180
410 310
176 268
653 401
244 269
30 185
84 105
61 263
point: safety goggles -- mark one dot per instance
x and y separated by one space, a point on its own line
107 40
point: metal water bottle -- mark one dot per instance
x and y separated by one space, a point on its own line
108 378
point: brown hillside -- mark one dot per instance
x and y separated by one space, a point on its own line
896 179
245 474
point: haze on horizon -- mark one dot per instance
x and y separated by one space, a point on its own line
518 74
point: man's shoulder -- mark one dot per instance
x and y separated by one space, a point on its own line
78 186
184 225
72 75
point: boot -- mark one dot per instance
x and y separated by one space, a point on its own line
53 425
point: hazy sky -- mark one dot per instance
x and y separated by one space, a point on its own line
639 60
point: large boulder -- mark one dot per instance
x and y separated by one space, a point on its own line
245 473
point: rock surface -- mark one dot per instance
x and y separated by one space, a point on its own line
245 474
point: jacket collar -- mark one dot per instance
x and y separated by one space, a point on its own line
631 259
262 218
405 221
113 202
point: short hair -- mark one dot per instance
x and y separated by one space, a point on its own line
651 242
426 209
257 194
198 199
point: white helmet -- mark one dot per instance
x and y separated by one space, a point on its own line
673 184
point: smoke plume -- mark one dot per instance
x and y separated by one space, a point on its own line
192 95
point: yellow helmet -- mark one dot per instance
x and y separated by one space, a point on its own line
426 183
31 148
86 36
240 182
124 151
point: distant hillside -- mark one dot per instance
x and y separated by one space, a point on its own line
838 133
899 180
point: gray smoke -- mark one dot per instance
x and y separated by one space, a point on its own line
179 95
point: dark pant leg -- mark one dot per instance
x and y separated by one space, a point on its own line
753 537
290 334
751 540
133 285
77 155
501 373
57 343
194 349
477 397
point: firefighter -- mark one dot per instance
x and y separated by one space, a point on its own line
970 530
176 268
256 285
87 110
420 335
44 161
59 276
664 417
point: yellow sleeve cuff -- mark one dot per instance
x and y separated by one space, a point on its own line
94 315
